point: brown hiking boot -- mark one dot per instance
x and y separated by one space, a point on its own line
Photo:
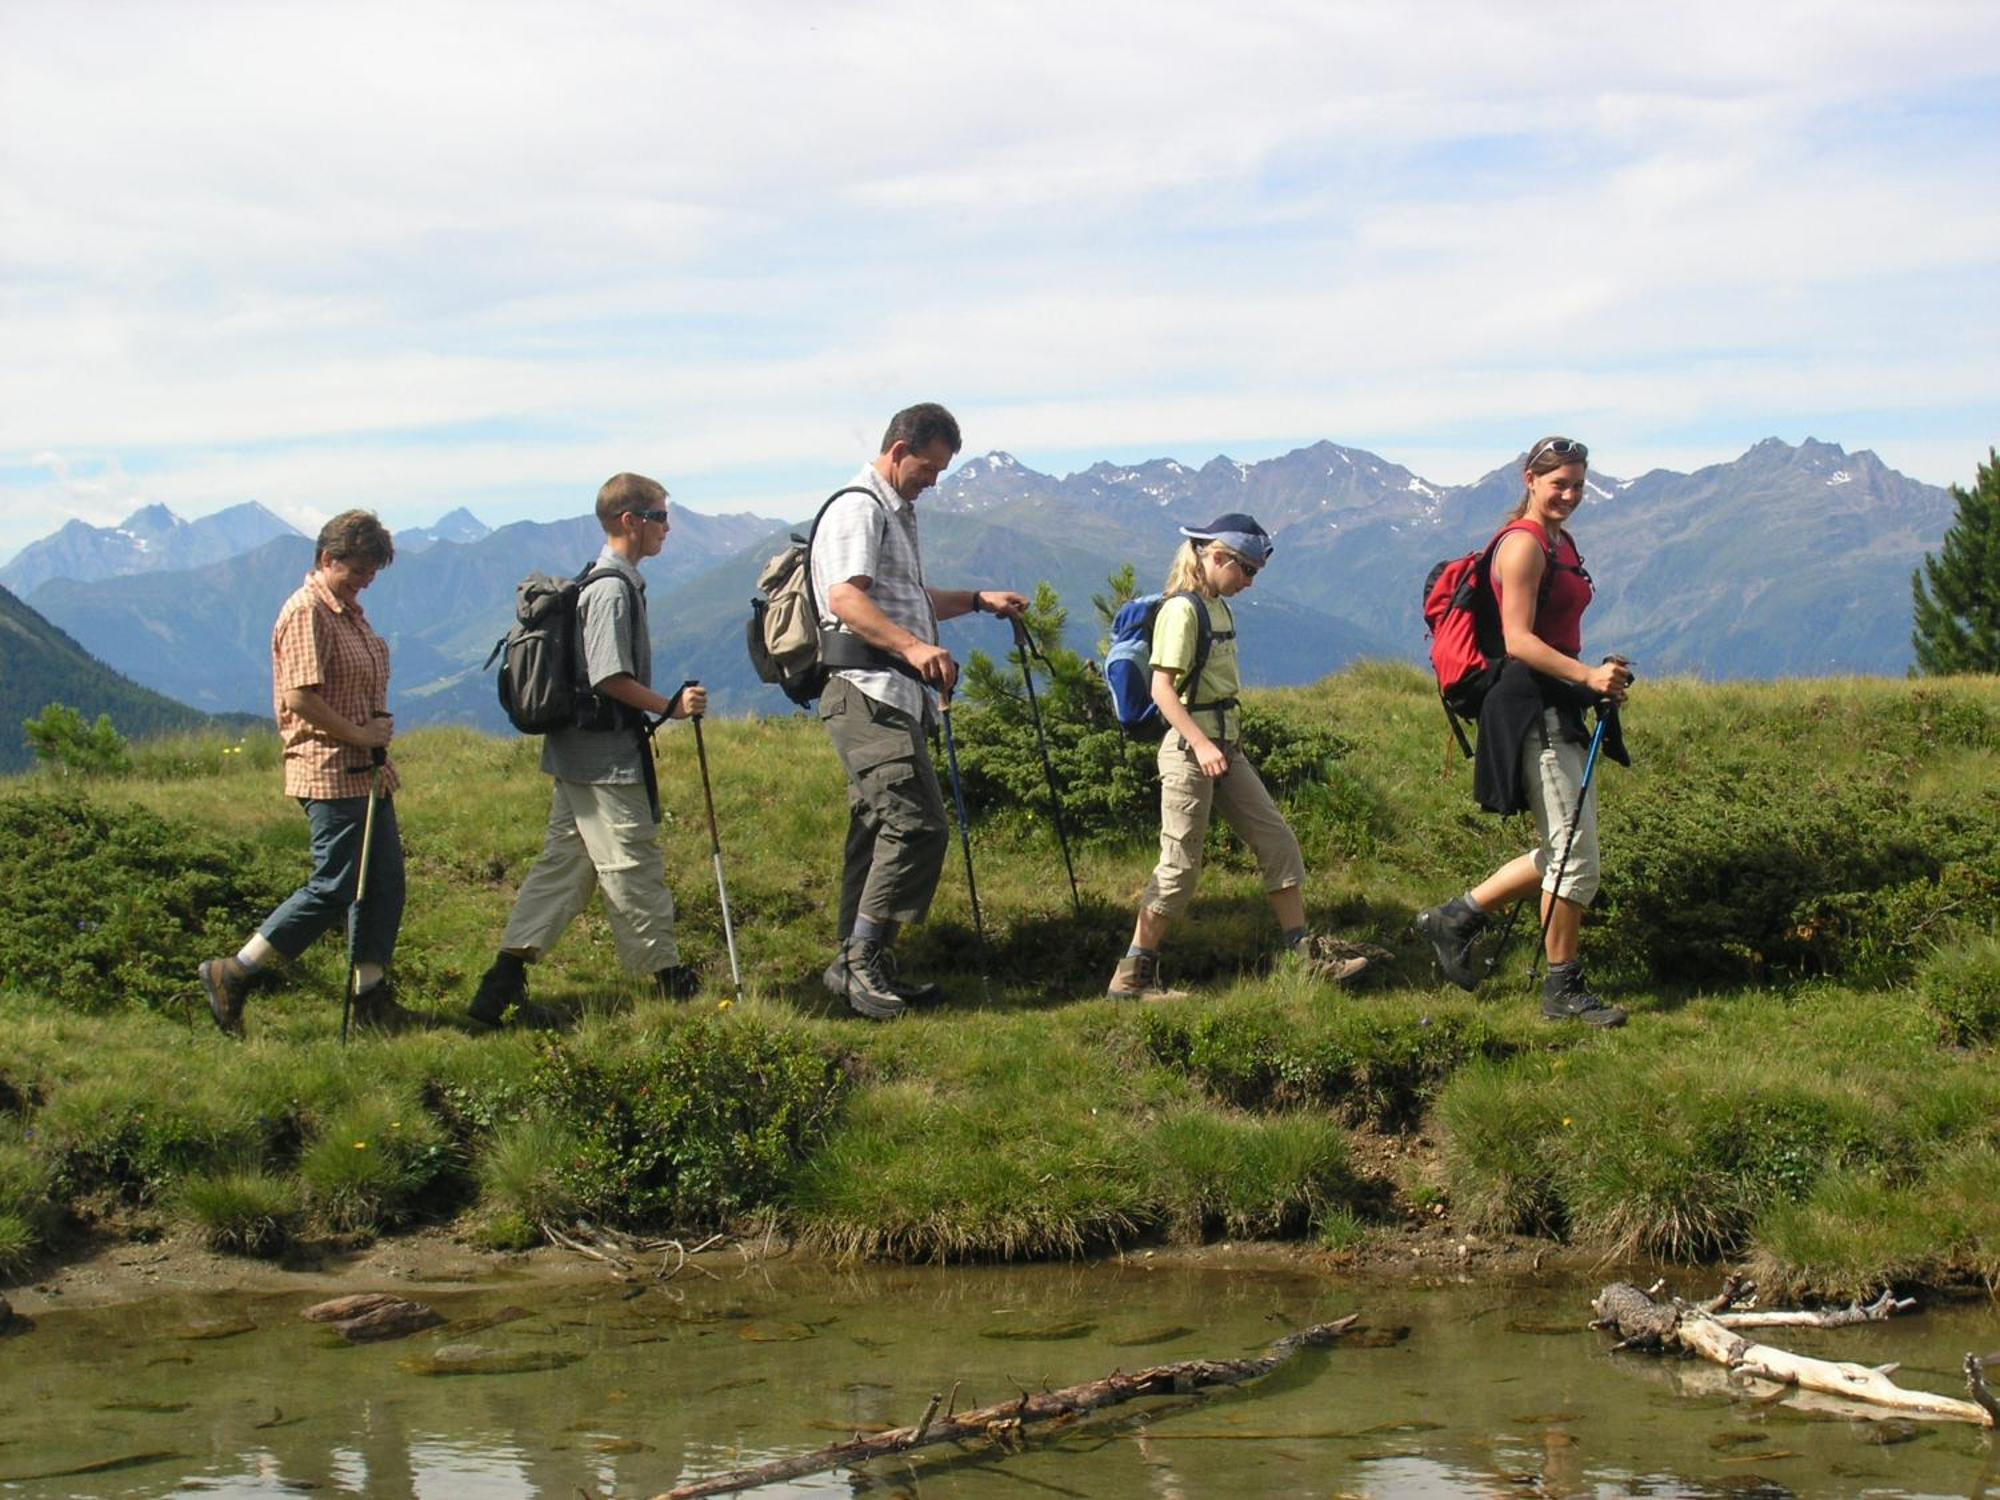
1330 960
227 982
375 1009
1137 977
861 978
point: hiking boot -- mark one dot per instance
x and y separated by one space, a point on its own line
921 993
678 982
504 985
227 982
375 1009
1566 997
1137 977
861 978
1453 928
1329 959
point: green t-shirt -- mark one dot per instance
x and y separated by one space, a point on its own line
1175 632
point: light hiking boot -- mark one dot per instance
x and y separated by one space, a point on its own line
504 985
1566 997
1329 959
1453 928
678 982
375 1009
227 982
1137 977
861 978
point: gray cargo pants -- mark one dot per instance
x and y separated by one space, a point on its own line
897 835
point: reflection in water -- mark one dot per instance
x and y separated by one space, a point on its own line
1492 1391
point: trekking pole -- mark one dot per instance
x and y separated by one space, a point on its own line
965 842
1604 713
378 757
715 850
1025 643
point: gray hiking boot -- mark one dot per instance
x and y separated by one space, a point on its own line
923 992
1329 959
1566 997
227 982
1453 928
860 977
1137 977
504 985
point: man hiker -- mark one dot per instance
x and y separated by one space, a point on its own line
330 692
604 817
879 641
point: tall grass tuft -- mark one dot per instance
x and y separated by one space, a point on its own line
521 1182
380 1163
244 1212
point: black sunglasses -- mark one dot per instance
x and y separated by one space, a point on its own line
1568 448
650 515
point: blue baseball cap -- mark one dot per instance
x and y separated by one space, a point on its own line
1239 532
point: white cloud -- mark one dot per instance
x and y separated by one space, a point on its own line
442 253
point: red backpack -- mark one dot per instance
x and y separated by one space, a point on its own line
1462 619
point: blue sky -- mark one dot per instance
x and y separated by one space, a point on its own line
423 255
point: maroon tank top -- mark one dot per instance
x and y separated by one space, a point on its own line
1565 596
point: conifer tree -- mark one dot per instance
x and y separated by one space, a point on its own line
1957 591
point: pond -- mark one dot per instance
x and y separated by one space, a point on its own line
1476 1388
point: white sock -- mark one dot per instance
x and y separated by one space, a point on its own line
367 976
255 953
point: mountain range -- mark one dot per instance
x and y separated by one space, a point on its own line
1784 561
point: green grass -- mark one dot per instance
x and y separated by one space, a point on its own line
1801 901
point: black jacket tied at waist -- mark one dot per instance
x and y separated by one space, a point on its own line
1513 708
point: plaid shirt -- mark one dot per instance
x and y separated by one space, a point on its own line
320 643
858 538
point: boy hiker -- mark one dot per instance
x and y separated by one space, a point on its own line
879 639
604 818
330 686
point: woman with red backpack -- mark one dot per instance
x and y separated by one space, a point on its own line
1532 741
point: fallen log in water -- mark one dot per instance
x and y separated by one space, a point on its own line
1002 1423
1668 1324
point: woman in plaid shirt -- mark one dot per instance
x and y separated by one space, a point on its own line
330 690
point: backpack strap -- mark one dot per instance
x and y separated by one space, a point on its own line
838 647
590 573
1205 636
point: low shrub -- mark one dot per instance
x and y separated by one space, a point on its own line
1960 987
243 1212
691 1126
380 1163
102 905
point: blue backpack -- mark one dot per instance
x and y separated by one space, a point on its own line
1128 665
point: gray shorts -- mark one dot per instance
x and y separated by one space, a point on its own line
1551 780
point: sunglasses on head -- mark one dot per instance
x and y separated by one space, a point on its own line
1567 448
650 515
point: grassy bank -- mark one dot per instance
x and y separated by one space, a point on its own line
1800 904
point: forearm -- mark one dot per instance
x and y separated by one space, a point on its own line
309 705
1167 699
859 613
629 691
951 603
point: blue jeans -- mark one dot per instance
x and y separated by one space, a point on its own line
320 905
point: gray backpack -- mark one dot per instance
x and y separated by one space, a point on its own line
541 684
783 636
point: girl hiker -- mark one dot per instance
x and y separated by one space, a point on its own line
1532 740
1202 766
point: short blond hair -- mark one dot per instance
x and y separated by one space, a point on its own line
627 492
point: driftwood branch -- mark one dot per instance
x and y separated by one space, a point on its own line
1884 1307
1002 1424
1643 1323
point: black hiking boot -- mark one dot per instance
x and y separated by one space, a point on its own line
1453 928
861 978
1566 997
227 982
678 982
504 985
375 1009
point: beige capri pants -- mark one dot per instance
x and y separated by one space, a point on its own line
1187 799
1552 780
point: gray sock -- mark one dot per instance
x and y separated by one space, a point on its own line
872 930
1135 951
1474 905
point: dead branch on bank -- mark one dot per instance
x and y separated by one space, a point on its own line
1670 1324
1002 1424
621 1251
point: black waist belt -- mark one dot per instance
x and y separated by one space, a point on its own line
843 650
1225 704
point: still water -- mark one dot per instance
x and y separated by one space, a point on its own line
1483 1389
